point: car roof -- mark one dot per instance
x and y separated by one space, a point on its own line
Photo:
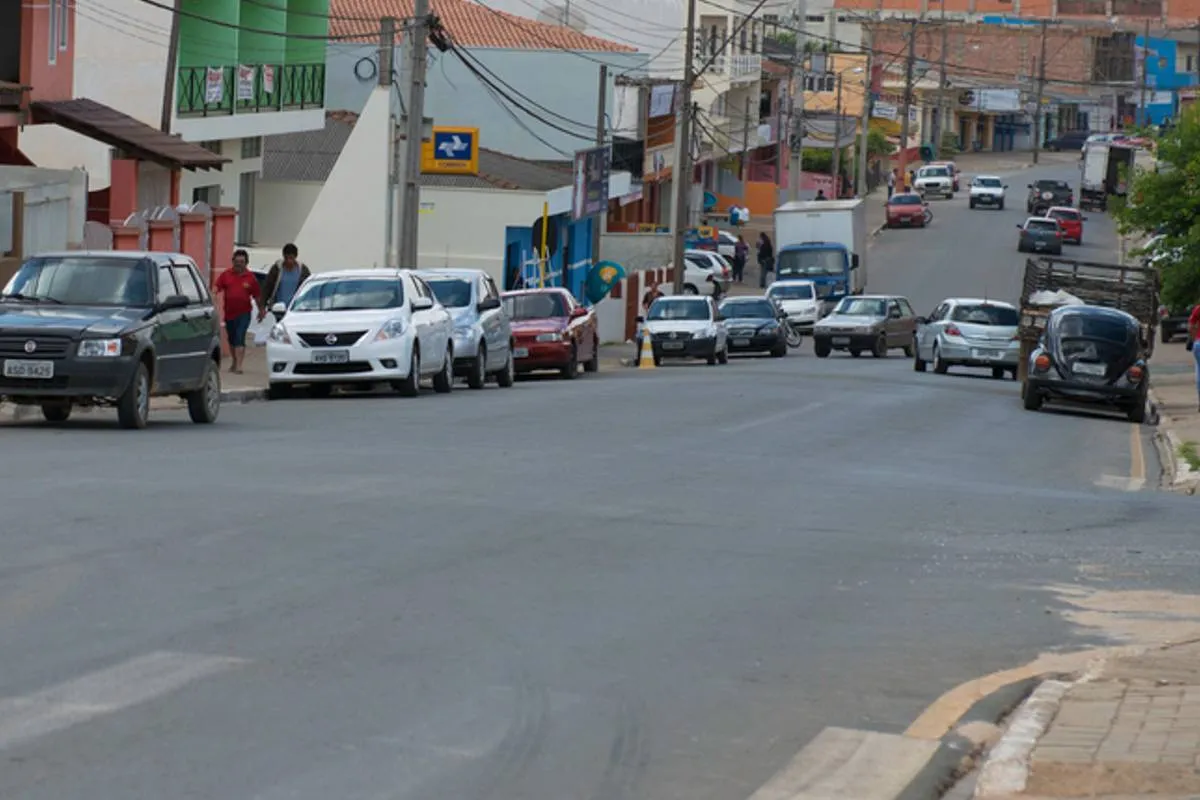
1095 311
1062 208
451 272
792 282
745 298
988 177
1041 219
123 255
385 272
976 301
540 290
688 298
874 297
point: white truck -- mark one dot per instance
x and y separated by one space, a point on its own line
1107 168
823 241
936 179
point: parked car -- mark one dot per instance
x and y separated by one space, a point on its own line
551 331
110 329
361 327
1173 321
867 323
935 180
1070 220
1068 141
1045 194
1090 354
687 327
1040 235
483 335
726 242
955 175
907 210
966 332
987 190
800 302
703 267
755 325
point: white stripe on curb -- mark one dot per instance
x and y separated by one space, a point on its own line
1007 769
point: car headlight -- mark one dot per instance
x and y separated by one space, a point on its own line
866 329
551 337
392 329
99 348
279 334
771 327
707 333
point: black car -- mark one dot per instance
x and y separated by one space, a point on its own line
1089 354
1045 194
1173 321
109 329
1068 141
755 325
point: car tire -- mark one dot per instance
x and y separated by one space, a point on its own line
1164 335
478 377
279 391
712 360
855 352
880 350
411 386
1015 374
506 377
971 203
204 404
133 406
950 196
1136 413
939 364
821 349
690 289
319 391
593 363
1030 398
571 369
998 373
1000 206
1079 241
56 412
779 351
919 364
910 349
658 361
723 356
443 382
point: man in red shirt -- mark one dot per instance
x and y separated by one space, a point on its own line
238 288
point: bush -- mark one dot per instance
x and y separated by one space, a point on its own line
949 144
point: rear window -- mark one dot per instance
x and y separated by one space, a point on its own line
906 200
1078 326
1064 214
1052 186
985 315
1041 225
797 291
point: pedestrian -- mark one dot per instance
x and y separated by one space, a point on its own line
820 195
891 183
766 259
741 251
735 216
239 290
651 294
1192 344
285 278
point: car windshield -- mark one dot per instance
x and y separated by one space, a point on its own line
749 309
990 183
544 305
1082 326
1041 225
905 200
811 262
1065 213
451 292
1051 186
795 291
349 294
934 172
985 315
861 307
693 310
83 281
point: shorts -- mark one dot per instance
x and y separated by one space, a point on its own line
236 329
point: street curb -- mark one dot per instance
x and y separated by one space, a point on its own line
1006 770
1178 475
955 752
244 395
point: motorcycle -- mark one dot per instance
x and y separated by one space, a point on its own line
928 215
794 337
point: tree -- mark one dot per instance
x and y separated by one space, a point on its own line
1167 201
878 145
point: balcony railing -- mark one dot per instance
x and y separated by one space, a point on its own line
249 89
740 68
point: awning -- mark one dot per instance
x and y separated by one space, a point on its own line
137 139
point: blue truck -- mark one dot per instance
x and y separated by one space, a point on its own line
823 241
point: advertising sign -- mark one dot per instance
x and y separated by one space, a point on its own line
590 195
451 151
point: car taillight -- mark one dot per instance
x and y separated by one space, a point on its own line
952 330
1042 363
1163 313
1058 234
1135 374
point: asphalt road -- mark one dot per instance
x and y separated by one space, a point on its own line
635 585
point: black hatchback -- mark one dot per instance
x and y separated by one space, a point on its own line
1089 354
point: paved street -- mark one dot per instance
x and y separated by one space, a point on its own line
640 584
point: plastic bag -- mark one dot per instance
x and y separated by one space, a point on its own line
260 330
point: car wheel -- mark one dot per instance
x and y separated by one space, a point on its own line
880 350
279 391
593 363
478 376
712 360
1030 398
779 351
950 196
443 382
1079 241
571 369
56 412
320 390
204 404
1000 206
821 349
971 203
507 376
1164 335
998 373
918 362
411 386
133 406
939 364
910 349
723 356
855 352
1015 374
690 289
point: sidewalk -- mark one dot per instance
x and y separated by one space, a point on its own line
1173 389
1130 731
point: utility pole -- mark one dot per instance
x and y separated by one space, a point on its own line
1041 90
936 133
681 173
799 56
1145 78
908 97
410 207
745 148
837 142
387 43
865 133
599 221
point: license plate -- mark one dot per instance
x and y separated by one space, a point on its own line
37 370
741 342
986 354
1084 368
672 345
841 340
520 352
1039 245
331 357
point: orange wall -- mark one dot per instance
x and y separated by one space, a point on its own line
49 81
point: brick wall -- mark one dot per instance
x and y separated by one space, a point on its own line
992 53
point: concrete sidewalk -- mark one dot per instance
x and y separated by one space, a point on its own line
1173 390
1131 730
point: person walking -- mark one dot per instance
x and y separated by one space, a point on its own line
741 252
891 183
651 294
820 195
239 291
766 259
1193 345
285 278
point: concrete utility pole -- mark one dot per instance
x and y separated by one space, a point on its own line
1041 90
799 56
410 185
681 173
908 97
745 148
1145 78
860 182
599 220
387 43
837 141
936 132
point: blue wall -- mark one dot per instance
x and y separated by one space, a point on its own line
1164 73
568 266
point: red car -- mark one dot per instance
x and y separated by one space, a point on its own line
906 209
1071 222
551 331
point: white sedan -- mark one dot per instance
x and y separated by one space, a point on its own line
362 327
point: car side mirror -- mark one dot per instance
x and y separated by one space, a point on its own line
1019 227
922 321
894 314
854 261
488 304
1005 186
1029 186
1083 219
173 302
578 311
279 308
421 304
640 320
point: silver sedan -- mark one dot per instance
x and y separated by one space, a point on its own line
967 332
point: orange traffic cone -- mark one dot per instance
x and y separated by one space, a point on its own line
646 356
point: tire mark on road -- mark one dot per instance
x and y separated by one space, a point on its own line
627 758
522 744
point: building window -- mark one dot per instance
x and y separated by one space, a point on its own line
1191 64
248 182
815 18
252 147
64 25
212 146
55 13
742 42
209 195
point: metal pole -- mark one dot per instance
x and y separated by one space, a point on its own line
543 256
414 133
387 43
1041 90
1142 116
599 221
745 149
837 142
865 133
797 121
681 173
938 124
779 134
168 101
908 98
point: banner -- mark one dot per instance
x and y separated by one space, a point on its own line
214 85
245 85
268 73
592 168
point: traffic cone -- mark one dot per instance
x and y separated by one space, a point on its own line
646 356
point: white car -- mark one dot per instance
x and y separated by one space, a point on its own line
966 332
937 180
687 327
987 190
699 266
726 242
362 326
799 301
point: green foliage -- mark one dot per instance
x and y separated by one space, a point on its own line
1167 201
878 145
816 160
949 144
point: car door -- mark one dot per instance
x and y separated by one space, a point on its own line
928 333
908 319
894 325
715 315
430 333
199 317
497 331
170 336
